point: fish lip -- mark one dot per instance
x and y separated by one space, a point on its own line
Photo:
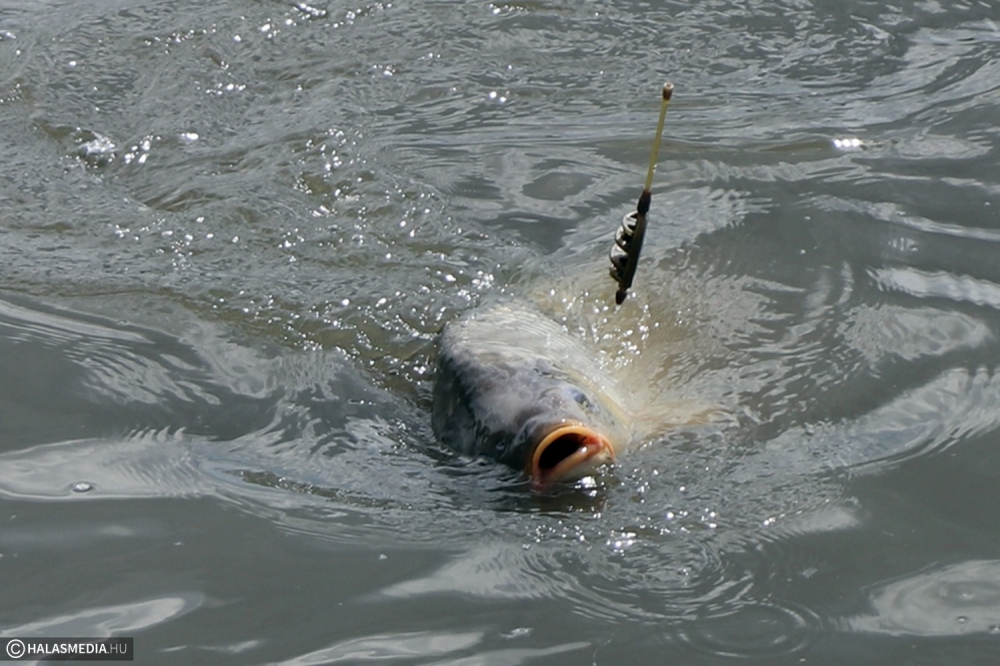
594 450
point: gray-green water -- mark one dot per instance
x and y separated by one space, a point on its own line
229 233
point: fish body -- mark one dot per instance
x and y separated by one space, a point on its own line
514 385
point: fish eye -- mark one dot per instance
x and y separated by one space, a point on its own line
578 395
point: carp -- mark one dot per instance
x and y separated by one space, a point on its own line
514 385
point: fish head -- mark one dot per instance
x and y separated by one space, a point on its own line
517 387
562 431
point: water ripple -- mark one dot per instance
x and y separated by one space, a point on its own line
752 631
317 190
952 600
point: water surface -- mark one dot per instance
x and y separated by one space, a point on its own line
231 231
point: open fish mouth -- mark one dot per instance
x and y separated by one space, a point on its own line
569 452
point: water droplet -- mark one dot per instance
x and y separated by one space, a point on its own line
848 143
82 487
312 12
